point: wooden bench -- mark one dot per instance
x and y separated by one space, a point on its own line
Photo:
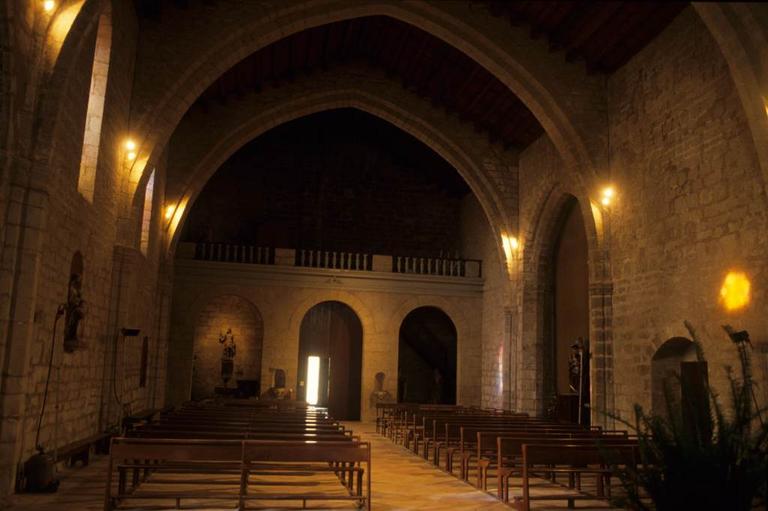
349 461
479 442
599 461
510 453
80 450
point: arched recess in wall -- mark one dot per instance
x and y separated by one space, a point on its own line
330 359
678 379
569 313
225 321
426 359
558 285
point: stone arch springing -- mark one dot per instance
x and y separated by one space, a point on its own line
427 357
224 315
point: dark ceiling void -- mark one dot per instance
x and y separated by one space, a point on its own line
422 64
605 35
336 180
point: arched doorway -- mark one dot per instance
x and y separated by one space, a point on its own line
566 372
678 380
331 359
426 360
227 321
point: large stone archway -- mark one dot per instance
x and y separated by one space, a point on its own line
489 170
564 99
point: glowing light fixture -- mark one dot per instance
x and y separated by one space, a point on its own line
130 147
313 379
49 5
169 211
607 195
735 293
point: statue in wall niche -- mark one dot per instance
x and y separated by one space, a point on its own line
379 395
578 373
75 312
227 356
574 365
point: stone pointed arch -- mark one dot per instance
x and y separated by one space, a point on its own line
490 172
538 244
566 101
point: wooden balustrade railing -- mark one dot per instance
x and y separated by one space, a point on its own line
310 258
336 260
229 253
449 267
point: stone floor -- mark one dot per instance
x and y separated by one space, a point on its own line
400 480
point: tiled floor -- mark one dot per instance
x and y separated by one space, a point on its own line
400 480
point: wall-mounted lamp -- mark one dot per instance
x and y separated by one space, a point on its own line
130 148
169 211
607 195
49 5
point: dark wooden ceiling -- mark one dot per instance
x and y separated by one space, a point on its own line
420 62
603 35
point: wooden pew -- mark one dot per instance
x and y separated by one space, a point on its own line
573 459
510 452
349 461
478 442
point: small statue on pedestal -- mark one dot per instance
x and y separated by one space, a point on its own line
75 312
379 395
227 356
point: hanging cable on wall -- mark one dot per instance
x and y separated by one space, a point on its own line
39 468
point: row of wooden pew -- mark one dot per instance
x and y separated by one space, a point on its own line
520 452
248 452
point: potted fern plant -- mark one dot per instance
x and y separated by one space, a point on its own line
701 457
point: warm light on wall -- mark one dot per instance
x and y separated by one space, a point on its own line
510 245
49 5
735 293
169 211
607 195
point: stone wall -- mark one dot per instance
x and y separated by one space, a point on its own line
47 221
477 241
283 295
691 205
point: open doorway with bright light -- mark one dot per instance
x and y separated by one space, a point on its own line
330 359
